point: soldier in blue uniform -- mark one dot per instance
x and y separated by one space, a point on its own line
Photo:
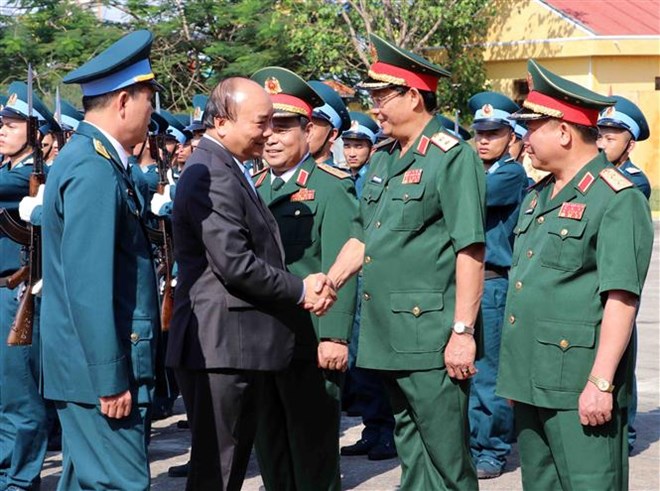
491 418
619 128
100 294
328 121
377 439
23 421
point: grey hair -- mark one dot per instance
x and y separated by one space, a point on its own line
222 102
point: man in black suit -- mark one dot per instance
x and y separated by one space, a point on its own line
233 294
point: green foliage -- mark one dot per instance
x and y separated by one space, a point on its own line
198 42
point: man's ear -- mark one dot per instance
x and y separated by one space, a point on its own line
221 127
333 135
566 133
512 138
121 101
631 145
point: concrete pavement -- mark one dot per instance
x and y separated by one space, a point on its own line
170 445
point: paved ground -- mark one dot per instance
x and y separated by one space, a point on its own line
170 445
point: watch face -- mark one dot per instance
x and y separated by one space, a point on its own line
459 328
603 385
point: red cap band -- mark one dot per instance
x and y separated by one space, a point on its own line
571 112
292 104
416 80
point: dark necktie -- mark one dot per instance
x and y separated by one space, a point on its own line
277 183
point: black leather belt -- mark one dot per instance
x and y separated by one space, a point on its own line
495 272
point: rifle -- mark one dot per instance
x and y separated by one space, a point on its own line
164 244
59 135
13 227
20 333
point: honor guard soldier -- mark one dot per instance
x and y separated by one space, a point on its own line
71 118
365 386
196 127
328 122
491 417
421 251
316 209
619 128
581 255
23 415
100 294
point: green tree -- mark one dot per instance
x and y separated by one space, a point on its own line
330 38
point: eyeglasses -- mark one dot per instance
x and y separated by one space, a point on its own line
381 101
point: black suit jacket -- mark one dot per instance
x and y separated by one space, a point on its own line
233 293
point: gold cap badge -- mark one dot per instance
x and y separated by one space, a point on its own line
355 126
272 86
487 110
12 99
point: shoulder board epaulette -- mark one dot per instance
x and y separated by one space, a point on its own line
100 149
444 141
614 179
333 171
262 177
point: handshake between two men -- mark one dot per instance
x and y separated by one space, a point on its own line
320 295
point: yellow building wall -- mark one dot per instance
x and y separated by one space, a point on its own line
525 29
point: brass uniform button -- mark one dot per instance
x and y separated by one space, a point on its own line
406 197
366 296
512 319
134 336
563 344
518 285
540 220
416 311
563 232
378 224
530 253
367 259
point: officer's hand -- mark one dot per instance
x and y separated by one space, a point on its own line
333 356
594 406
320 293
28 204
460 353
159 200
117 406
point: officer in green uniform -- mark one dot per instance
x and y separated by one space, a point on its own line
316 209
422 250
491 417
23 418
581 254
100 294
619 128
328 121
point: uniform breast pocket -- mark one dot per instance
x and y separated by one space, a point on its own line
408 208
419 323
563 354
143 351
369 202
565 244
297 223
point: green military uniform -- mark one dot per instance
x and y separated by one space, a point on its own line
316 210
419 210
570 250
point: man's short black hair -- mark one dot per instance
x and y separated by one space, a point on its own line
430 100
589 134
92 102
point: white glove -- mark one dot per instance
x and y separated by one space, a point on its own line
159 200
28 204
170 178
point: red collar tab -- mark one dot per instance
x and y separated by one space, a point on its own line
303 175
423 145
586 182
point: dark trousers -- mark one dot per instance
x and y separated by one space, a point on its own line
221 407
491 417
297 442
23 418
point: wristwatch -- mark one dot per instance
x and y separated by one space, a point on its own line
460 328
602 384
